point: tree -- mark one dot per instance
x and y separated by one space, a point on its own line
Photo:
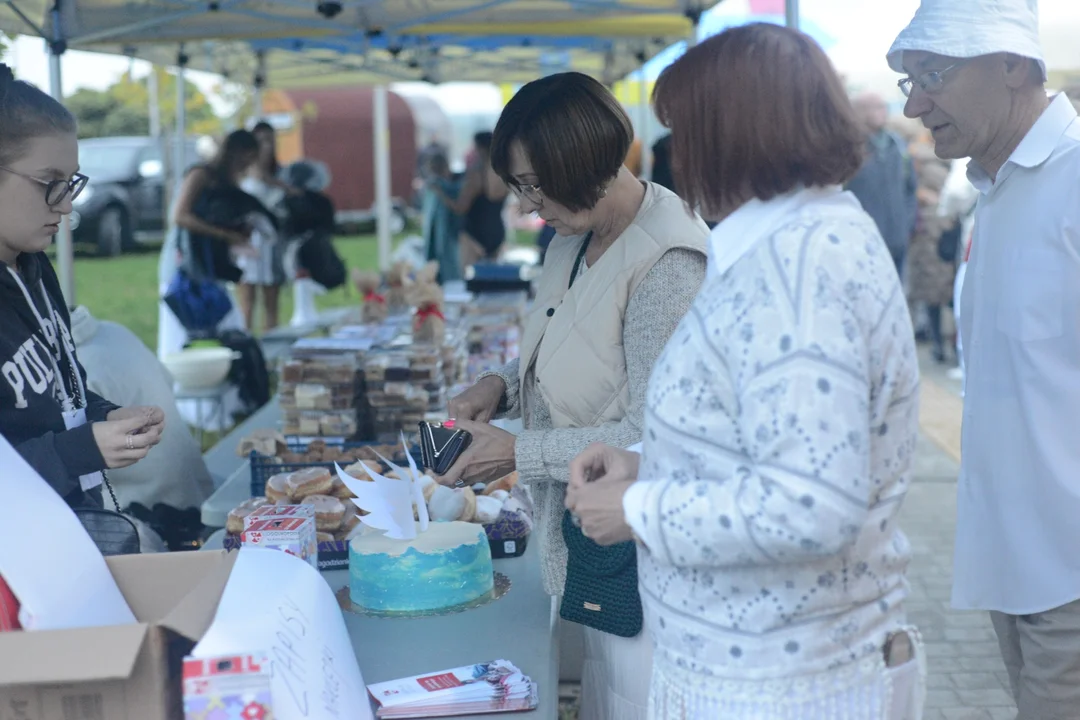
124 108
3 45
240 99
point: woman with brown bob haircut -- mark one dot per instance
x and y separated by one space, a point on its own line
780 421
627 262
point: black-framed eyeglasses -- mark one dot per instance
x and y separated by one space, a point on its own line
532 193
56 191
930 82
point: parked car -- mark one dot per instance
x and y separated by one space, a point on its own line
124 201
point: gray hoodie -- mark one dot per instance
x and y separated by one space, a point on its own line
121 367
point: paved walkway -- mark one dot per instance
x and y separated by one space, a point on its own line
966 679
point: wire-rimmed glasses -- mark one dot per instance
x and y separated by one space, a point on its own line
930 82
531 193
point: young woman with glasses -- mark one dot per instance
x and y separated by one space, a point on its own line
67 433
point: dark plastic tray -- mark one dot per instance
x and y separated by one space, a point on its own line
263 467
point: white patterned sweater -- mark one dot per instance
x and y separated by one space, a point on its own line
780 427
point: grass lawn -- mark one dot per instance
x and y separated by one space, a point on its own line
125 289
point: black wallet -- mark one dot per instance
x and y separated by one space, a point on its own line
441 446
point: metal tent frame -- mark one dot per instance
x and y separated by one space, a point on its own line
500 40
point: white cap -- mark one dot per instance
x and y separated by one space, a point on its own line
971 29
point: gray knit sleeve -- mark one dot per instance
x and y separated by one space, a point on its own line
510 405
652 314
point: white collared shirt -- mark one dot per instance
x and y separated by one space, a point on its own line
1018 517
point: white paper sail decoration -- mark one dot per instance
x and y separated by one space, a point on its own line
388 501
418 489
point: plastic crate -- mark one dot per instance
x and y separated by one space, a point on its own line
263 467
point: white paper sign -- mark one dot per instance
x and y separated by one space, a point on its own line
53 567
278 604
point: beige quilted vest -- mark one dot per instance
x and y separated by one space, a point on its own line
573 340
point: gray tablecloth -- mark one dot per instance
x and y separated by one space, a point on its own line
222 460
519 627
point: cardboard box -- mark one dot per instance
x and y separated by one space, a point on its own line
123 672
279 511
294 535
332 555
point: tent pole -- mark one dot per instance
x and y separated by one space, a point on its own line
65 255
381 131
694 15
179 154
791 13
260 83
153 91
155 103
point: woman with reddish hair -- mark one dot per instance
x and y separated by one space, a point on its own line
781 419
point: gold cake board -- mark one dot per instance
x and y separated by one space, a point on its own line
502 586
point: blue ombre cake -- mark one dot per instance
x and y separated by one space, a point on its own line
446 566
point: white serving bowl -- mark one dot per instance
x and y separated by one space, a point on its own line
200 368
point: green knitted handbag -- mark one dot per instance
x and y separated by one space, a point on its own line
601 589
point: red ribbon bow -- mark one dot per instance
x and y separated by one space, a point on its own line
372 296
426 311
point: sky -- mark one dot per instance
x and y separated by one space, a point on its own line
862 30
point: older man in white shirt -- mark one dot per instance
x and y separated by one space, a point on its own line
975 77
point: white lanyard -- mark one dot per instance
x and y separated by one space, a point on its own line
65 398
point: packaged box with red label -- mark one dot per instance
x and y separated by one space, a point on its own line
279 511
294 535
241 682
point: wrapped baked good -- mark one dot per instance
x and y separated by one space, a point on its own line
367 285
469 513
348 526
398 282
429 323
277 488
450 504
339 490
264 442
329 512
507 483
445 505
487 509
309 481
234 525
312 396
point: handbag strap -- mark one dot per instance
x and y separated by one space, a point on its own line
112 493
